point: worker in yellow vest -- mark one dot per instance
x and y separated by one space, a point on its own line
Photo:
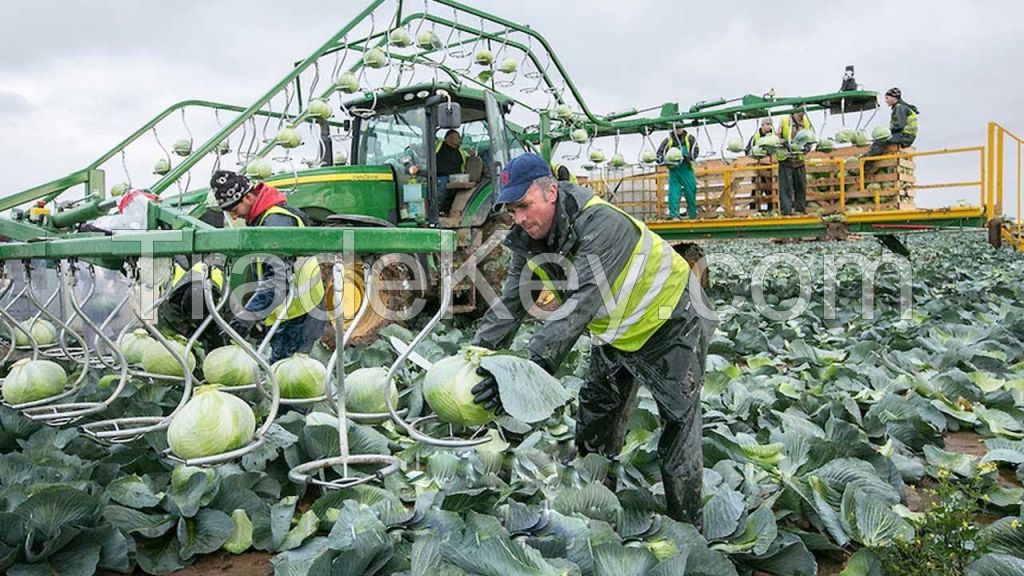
792 172
303 321
902 123
763 178
632 293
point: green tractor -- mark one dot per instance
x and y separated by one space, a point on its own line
392 183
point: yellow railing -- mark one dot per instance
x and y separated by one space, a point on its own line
995 191
980 182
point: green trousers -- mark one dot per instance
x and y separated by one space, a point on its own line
681 179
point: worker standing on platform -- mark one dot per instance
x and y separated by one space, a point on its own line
763 179
902 124
634 295
301 326
681 178
792 172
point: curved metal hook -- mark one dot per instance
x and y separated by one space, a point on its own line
410 428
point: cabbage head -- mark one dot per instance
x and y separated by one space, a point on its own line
134 344
769 141
579 136
230 366
29 380
374 58
288 137
508 66
428 40
805 137
617 161
648 157
300 377
563 112
159 360
735 146
597 156
162 166
881 133
448 385
484 57
319 108
673 156
259 168
183 146
400 37
860 138
211 422
844 135
43 331
364 391
348 83
826 145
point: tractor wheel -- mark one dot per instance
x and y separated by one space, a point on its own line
372 321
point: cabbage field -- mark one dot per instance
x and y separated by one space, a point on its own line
834 442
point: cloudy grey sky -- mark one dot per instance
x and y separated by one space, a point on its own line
76 77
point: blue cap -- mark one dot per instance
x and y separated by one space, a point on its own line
520 173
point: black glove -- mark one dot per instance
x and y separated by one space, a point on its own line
485 393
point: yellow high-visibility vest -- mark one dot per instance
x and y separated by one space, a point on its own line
786 130
216 274
646 291
309 286
462 153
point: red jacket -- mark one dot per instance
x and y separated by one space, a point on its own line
266 196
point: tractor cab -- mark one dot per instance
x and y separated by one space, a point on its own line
394 180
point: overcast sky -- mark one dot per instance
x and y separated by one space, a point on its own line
76 77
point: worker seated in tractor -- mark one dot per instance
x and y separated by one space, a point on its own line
304 320
902 125
450 159
631 293
681 178
762 180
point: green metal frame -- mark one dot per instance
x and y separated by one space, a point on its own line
235 242
179 213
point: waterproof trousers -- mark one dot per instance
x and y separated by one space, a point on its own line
671 366
681 180
792 187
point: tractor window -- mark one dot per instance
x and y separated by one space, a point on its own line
394 138
475 137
